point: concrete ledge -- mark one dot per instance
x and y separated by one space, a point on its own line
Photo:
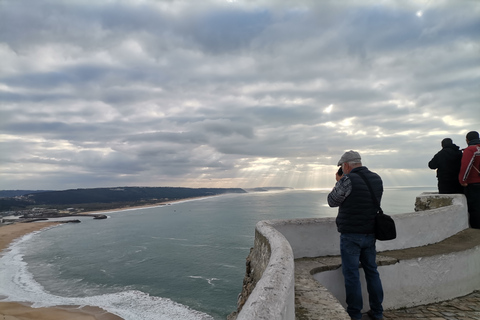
312 300
421 275
416 229
273 296
271 270
316 237
438 272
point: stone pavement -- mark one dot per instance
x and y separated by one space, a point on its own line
463 308
314 302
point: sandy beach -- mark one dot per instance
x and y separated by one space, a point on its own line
151 205
23 311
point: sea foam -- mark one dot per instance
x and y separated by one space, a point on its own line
19 285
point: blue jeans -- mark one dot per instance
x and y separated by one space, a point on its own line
355 248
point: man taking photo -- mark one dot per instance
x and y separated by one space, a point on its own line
355 222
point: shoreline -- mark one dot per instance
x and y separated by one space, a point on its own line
152 205
14 310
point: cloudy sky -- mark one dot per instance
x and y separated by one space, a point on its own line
238 93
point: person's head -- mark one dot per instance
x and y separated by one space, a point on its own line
446 142
349 160
472 135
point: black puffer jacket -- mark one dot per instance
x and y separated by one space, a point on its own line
357 213
447 162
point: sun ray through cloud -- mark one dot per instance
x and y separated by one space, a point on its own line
231 93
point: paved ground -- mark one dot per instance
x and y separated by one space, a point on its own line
464 308
309 294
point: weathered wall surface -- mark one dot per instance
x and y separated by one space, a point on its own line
319 237
415 282
256 264
430 200
272 275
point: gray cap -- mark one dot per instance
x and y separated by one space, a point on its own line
349 156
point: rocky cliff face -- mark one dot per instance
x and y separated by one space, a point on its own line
255 265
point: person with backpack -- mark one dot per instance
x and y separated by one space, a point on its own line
469 177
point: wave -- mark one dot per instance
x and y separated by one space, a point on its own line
19 285
209 280
174 239
202 245
227 265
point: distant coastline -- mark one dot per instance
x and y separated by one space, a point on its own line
146 206
106 198
22 310
134 206
50 204
17 310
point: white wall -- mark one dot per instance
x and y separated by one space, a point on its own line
417 281
319 237
274 294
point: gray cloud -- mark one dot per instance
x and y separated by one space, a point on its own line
242 94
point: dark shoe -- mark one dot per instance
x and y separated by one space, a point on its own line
370 314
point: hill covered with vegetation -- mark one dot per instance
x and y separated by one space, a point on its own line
107 198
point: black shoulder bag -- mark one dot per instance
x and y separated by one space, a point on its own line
384 224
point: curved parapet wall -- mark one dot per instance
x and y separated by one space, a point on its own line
431 279
422 275
272 264
279 242
438 216
319 237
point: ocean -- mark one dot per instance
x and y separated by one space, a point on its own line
180 261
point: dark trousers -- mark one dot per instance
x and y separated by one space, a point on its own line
449 187
355 248
472 192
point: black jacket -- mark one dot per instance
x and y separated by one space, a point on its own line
357 212
447 162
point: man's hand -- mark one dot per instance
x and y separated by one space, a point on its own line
462 184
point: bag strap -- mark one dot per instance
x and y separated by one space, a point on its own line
471 164
375 200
